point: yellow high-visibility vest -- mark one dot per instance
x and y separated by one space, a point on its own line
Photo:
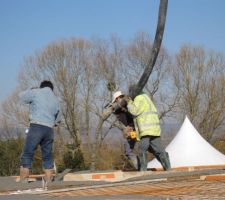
145 115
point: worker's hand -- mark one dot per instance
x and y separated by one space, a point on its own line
126 131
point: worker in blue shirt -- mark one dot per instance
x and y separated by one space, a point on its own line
44 114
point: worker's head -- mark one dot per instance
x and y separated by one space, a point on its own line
116 96
46 84
132 91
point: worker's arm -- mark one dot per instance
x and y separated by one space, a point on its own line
26 97
136 107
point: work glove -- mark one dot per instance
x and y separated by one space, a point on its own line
126 131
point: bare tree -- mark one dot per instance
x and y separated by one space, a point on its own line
148 69
80 70
63 63
200 76
108 58
13 118
68 63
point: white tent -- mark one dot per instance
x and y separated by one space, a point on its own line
190 149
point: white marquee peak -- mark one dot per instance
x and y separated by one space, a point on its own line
190 149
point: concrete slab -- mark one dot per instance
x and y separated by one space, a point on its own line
100 179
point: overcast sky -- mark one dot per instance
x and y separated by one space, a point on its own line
29 25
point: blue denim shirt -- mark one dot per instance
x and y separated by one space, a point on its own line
44 106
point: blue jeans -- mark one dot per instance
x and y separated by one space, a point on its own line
38 135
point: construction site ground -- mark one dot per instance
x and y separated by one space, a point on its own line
118 185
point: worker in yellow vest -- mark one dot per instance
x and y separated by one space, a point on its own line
148 130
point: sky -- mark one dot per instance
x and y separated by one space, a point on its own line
30 25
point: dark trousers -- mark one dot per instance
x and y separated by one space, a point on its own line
153 145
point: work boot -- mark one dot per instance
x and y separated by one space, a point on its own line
24 174
133 160
165 161
48 175
48 178
143 161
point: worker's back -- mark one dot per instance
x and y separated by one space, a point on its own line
44 105
145 115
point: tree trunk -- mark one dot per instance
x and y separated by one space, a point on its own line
102 119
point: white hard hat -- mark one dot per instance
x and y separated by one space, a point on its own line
116 95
